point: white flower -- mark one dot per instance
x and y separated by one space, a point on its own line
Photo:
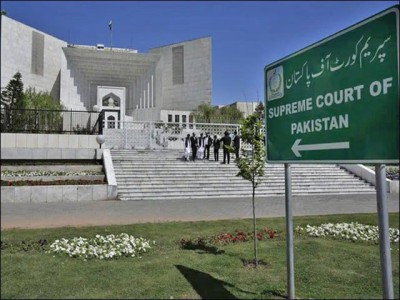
101 247
350 231
21 173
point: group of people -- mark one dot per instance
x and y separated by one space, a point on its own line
200 146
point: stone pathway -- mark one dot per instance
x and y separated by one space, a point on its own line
93 213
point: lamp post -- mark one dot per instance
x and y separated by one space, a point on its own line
100 139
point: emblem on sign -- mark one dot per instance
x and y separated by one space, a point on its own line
275 83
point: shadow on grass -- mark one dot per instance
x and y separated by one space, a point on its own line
201 247
206 286
276 294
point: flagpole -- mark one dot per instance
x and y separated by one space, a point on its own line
110 26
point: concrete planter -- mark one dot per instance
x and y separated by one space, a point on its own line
57 193
54 178
61 193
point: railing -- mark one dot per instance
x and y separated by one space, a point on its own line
98 125
127 135
159 135
50 121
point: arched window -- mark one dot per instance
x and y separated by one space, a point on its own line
111 122
111 100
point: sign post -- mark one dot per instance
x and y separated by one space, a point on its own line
384 238
337 101
289 232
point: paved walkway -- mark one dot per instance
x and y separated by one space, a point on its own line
46 215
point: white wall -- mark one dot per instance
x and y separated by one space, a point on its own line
69 94
164 115
197 86
16 55
31 140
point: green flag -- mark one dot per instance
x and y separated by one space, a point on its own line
110 25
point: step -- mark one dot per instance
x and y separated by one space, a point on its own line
223 181
152 175
154 196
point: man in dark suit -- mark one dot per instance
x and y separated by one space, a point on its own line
236 144
193 143
216 144
226 141
207 142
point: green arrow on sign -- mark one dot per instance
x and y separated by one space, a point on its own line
296 148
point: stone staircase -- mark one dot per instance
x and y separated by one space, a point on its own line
163 174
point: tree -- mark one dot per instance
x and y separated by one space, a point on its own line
42 111
11 99
252 165
12 96
231 114
260 111
39 100
206 113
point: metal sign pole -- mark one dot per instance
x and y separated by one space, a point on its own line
384 239
289 232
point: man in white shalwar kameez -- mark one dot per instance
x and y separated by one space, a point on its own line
187 147
200 150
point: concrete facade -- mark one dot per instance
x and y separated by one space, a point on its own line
17 55
173 77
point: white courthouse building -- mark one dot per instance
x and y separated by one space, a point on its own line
166 84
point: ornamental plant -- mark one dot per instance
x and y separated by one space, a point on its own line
348 231
102 247
204 243
241 236
252 166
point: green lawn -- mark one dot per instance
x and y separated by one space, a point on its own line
324 267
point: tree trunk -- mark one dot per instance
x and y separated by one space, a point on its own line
254 228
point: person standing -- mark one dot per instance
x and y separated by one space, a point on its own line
187 147
226 142
193 144
236 144
200 151
216 145
208 142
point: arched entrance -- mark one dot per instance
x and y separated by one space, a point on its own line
111 100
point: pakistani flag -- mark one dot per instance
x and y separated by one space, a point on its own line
110 25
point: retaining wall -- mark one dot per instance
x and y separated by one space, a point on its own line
60 193
34 140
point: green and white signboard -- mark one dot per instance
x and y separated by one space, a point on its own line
337 100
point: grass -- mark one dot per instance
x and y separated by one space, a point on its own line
324 267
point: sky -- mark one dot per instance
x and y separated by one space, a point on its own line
246 35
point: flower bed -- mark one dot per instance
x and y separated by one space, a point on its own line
30 178
52 182
101 247
208 243
348 231
23 173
